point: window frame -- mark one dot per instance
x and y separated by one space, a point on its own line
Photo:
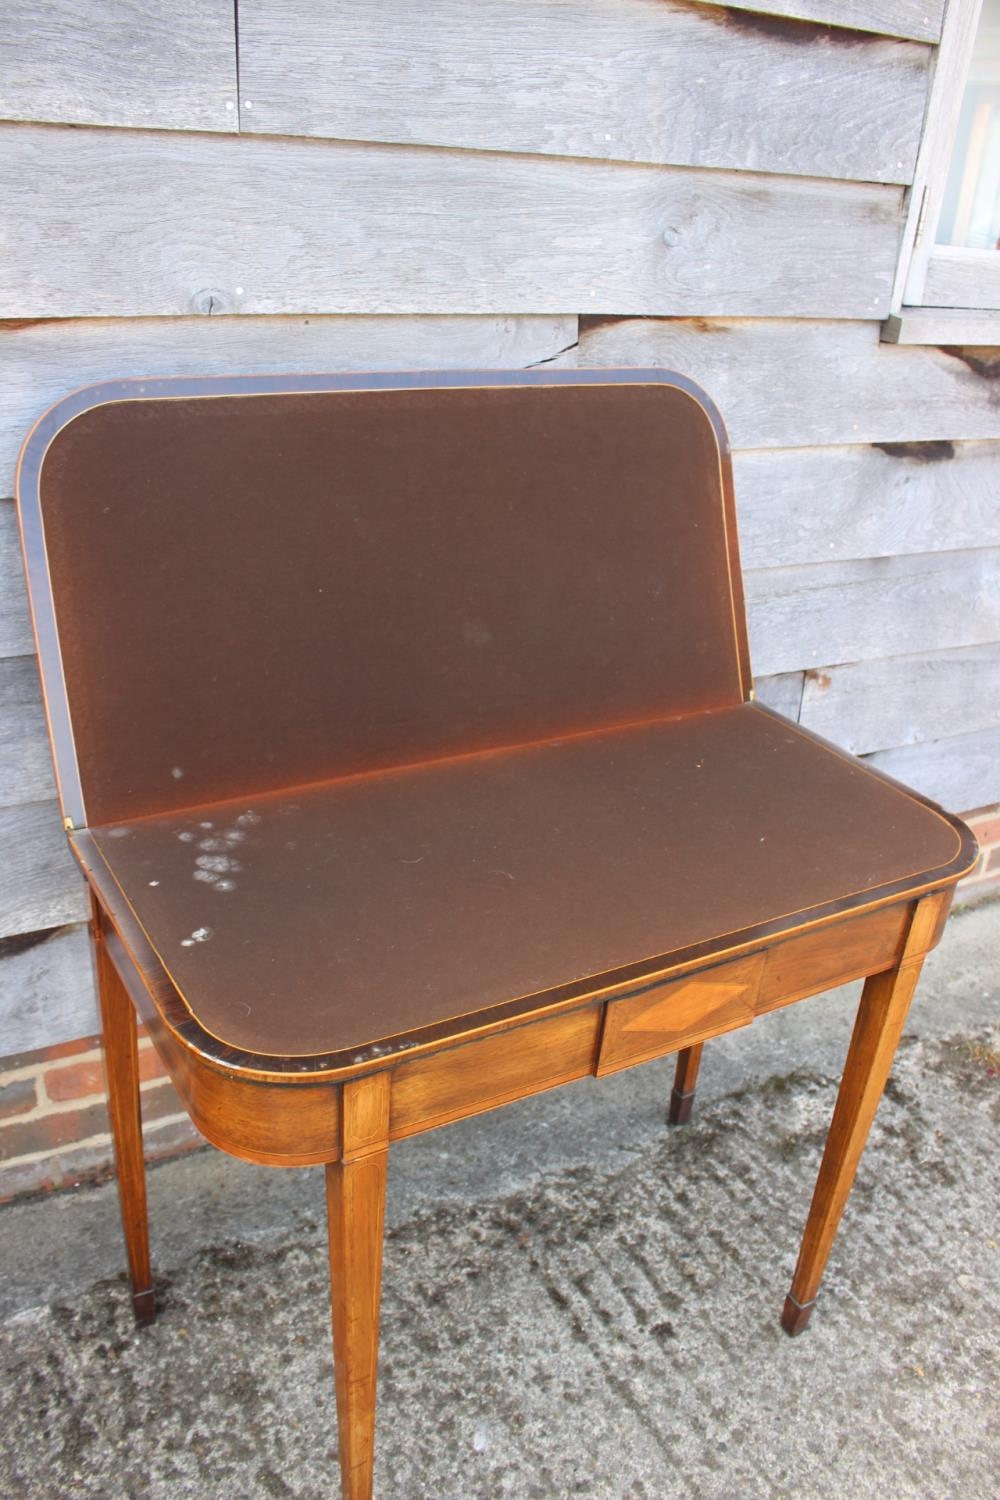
943 294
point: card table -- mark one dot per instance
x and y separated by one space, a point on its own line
404 733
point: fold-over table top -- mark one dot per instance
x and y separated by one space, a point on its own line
393 700
331 917
256 585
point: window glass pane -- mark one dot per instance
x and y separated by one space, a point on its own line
971 212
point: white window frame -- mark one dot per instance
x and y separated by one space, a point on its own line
943 294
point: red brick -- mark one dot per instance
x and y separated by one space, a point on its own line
50 1132
56 1053
84 1079
76 1081
49 1054
983 811
986 827
972 892
17 1098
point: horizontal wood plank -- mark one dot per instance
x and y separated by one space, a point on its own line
639 80
961 772
803 505
40 884
25 763
905 700
909 18
164 64
942 325
783 692
795 384
46 990
16 638
169 223
39 362
962 278
817 616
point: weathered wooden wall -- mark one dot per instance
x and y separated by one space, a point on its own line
657 182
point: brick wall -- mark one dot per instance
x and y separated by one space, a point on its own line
984 882
53 1121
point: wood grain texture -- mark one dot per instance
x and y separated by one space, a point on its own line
927 926
782 692
685 1082
805 505
639 80
961 771
826 957
168 223
944 105
792 384
46 989
16 638
165 64
25 762
962 278
269 1124
905 700
40 362
909 18
356 1219
662 1018
121 1071
489 1071
818 616
885 1001
942 325
40 885
364 1116
482 1074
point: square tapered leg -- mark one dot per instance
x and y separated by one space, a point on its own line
121 1065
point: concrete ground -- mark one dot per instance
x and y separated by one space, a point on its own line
577 1301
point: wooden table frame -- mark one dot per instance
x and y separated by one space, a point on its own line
353 1122
294 1112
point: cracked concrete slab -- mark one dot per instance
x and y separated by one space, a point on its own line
577 1300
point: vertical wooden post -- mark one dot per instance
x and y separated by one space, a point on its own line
121 1068
355 1188
885 1001
685 1080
